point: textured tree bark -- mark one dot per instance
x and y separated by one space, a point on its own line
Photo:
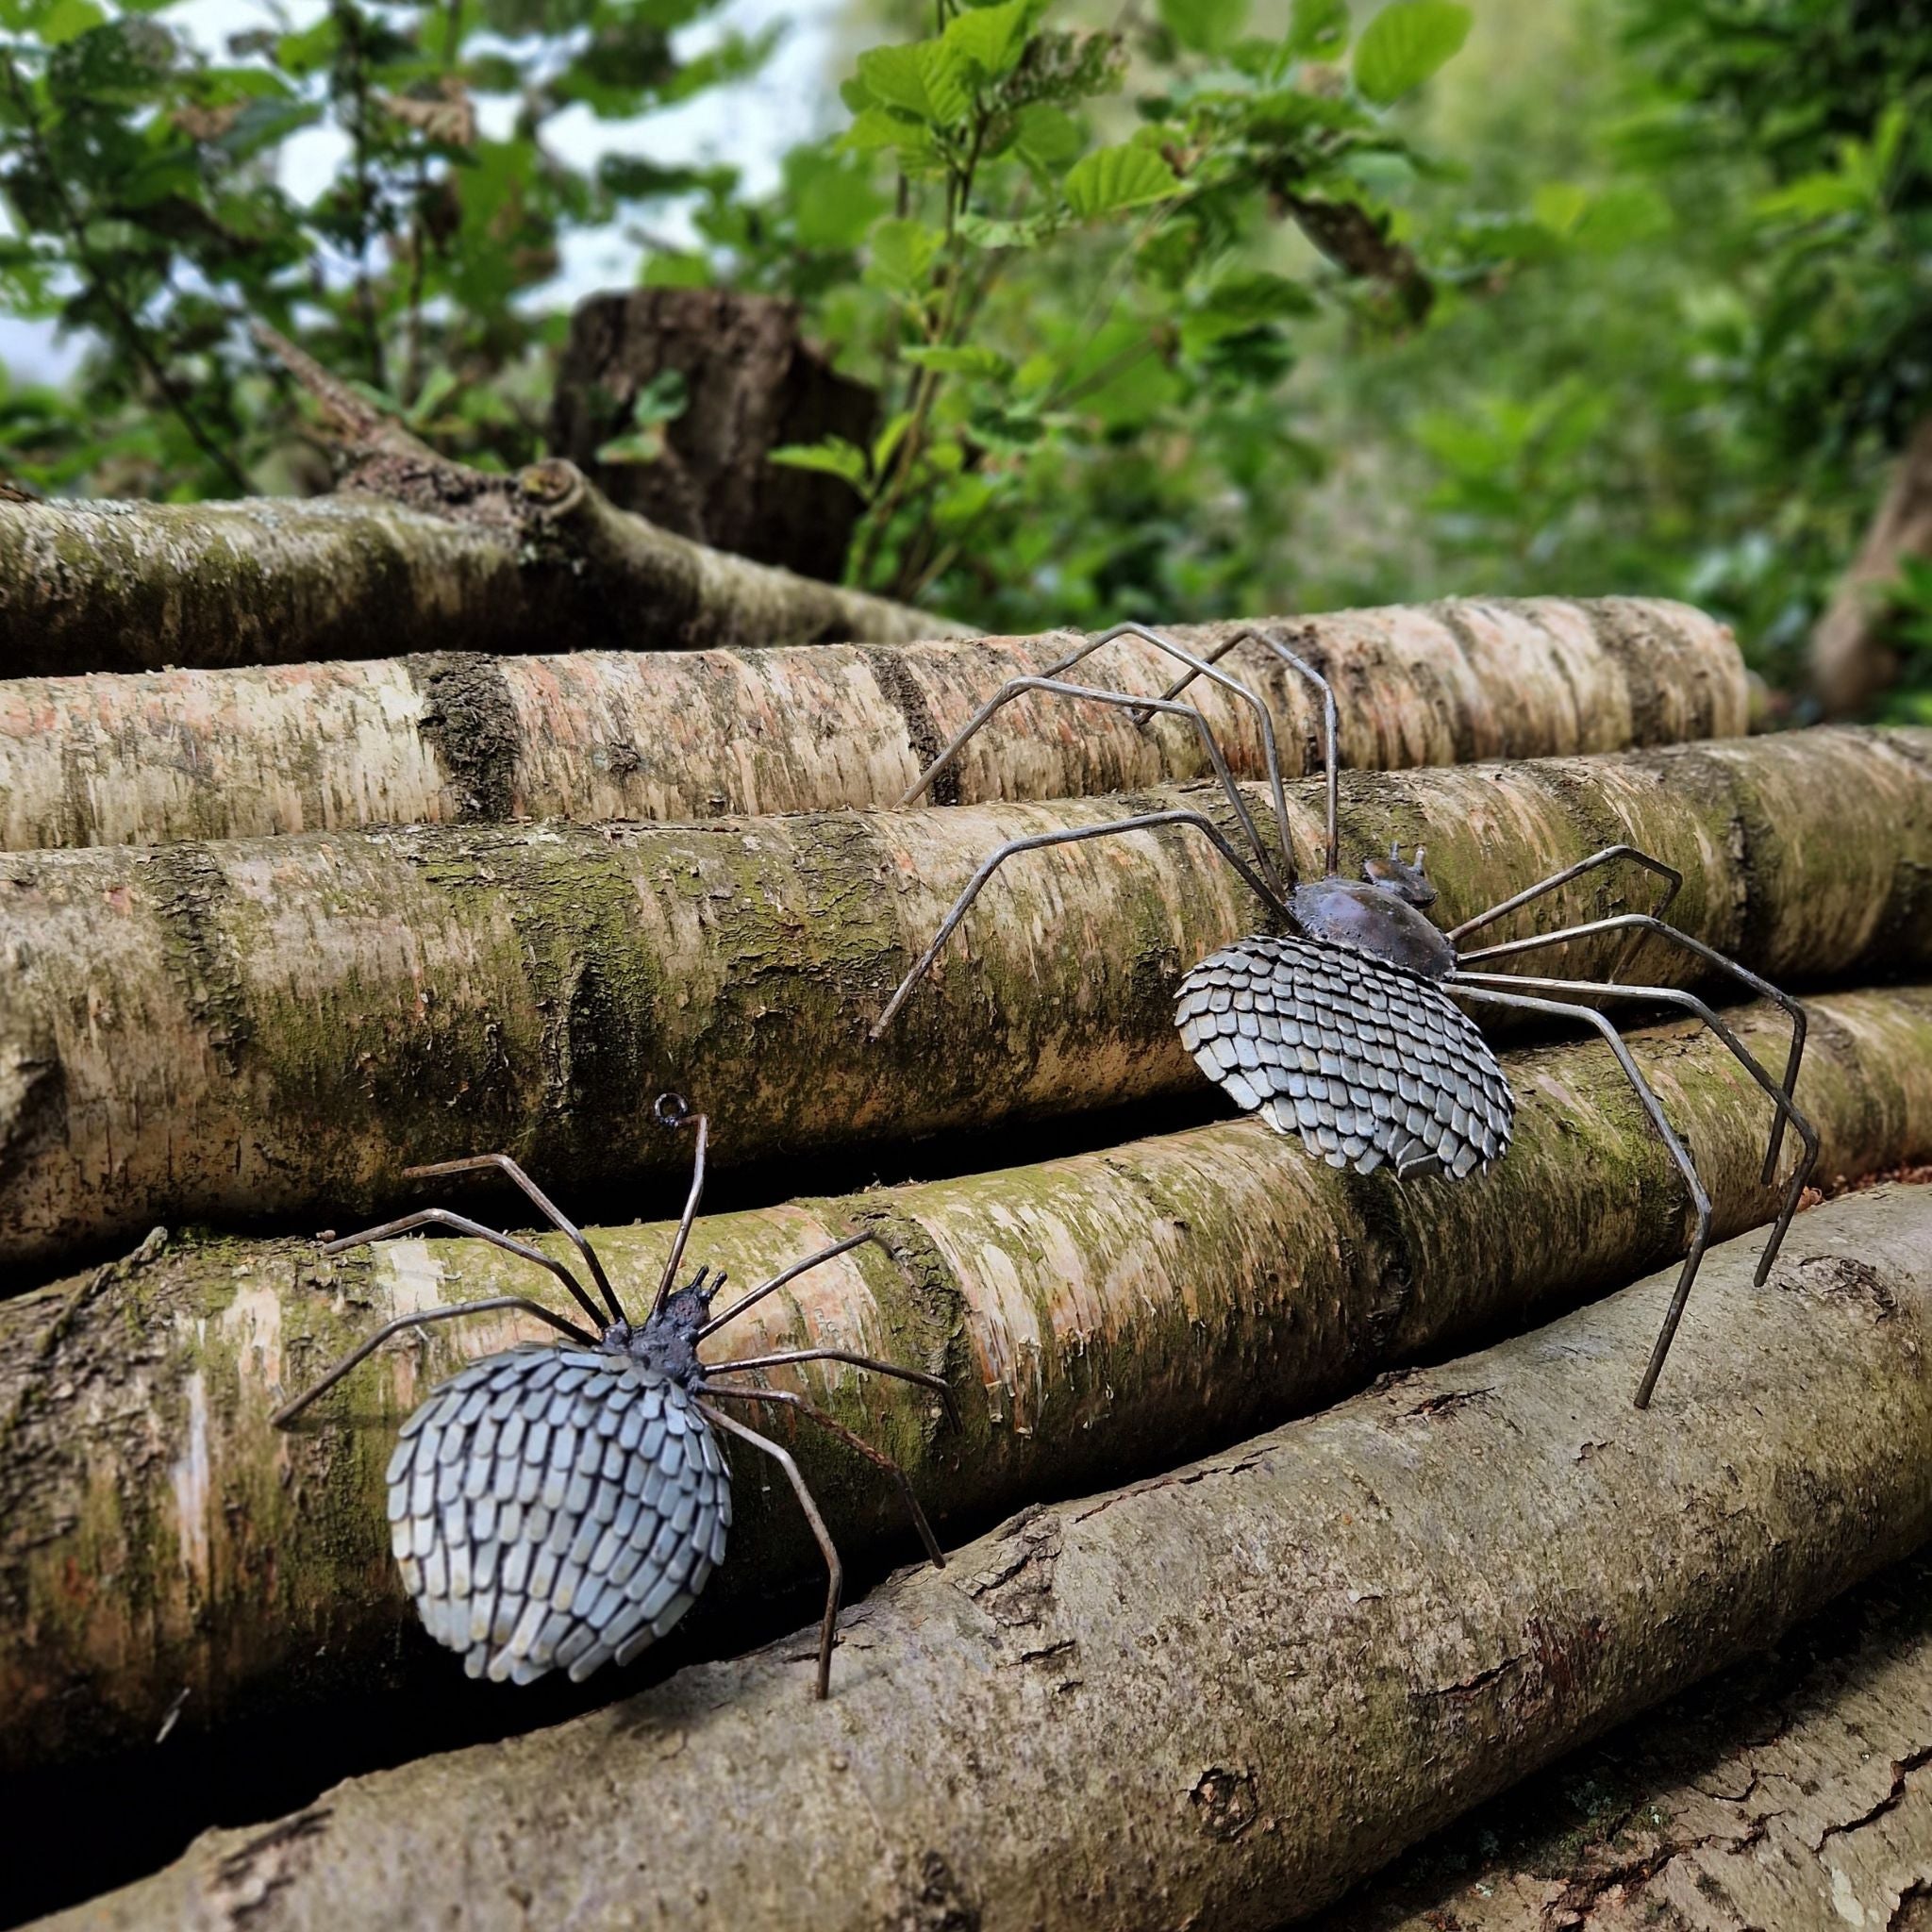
1218 1697
1851 662
247 752
1098 1316
1794 1791
234 1031
537 562
751 385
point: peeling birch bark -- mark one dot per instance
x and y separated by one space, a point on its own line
1098 1317
230 1032
1218 1697
248 752
1793 1792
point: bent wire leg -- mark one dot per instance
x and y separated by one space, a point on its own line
778 1281
836 1570
461 1224
1038 842
420 1319
1330 719
1055 687
1649 921
783 1357
825 1421
1700 1201
1199 667
674 1112
1608 855
503 1164
1781 1101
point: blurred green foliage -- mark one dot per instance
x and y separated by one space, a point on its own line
1204 306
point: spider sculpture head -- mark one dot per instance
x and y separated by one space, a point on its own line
1341 1026
558 1505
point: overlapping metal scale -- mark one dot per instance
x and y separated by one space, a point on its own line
1367 1062
553 1507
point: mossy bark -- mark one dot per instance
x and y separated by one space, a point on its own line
1098 1316
1218 1697
273 1028
1794 1791
598 735
535 563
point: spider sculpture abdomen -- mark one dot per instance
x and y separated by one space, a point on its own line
553 1507
1366 1061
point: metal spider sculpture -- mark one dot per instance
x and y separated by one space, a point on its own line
1341 1029
558 1505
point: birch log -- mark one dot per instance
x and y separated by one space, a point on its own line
539 562
236 1031
1218 1697
601 735
1794 1791
1098 1316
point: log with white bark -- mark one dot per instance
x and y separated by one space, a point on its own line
1098 1317
1216 1698
1794 1791
246 752
276 1027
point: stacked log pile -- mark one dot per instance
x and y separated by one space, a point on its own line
273 931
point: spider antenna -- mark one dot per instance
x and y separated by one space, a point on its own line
673 1110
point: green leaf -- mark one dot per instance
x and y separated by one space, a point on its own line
1405 43
1046 138
1209 27
66 19
902 252
925 77
992 38
962 359
989 231
669 269
878 129
887 442
1113 178
833 456
1316 29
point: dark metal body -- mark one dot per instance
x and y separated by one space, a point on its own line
553 1507
1344 1034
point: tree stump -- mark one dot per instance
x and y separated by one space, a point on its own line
752 384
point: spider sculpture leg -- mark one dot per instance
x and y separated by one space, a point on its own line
1196 667
825 1421
1786 1108
1330 715
1037 841
422 1318
835 1569
1019 687
1700 1200
1674 880
503 1164
461 1224
1650 923
780 1279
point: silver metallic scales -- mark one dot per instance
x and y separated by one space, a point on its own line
1365 1062
1342 1030
558 1507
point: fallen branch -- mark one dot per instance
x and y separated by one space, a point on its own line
246 752
1098 1316
1218 1697
1852 659
1793 1792
416 553
234 1031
